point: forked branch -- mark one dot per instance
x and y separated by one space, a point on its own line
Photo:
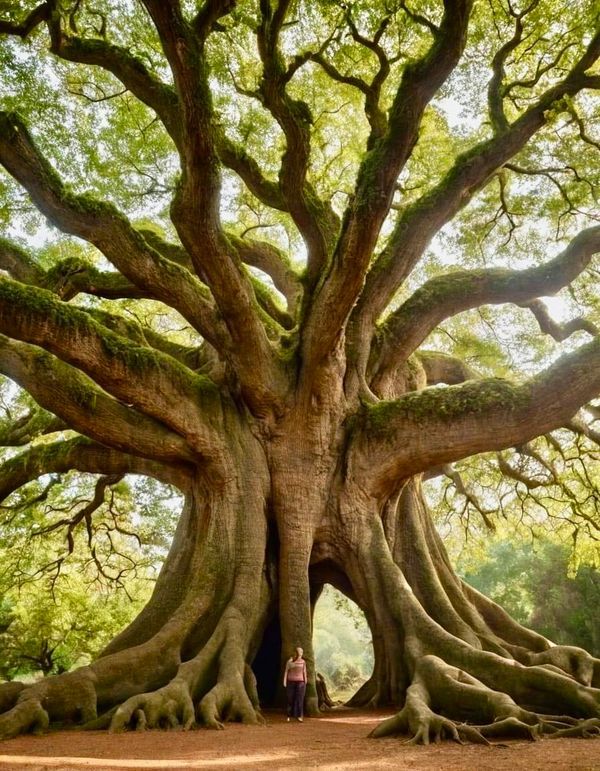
376 183
419 222
84 407
440 425
153 382
446 295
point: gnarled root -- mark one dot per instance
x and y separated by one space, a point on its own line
70 697
214 686
442 697
167 707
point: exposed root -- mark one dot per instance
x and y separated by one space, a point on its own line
26 716
568 659
68 698
167 707
441 695
585 729
9 693
215 686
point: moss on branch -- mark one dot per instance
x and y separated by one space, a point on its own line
447 403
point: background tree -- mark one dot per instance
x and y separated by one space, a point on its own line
243 308
534 586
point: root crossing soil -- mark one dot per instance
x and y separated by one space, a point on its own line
337 740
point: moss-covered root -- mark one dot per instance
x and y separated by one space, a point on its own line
441 697
27 716
215 686
168 707
70 698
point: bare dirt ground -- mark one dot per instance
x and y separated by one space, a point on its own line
338 740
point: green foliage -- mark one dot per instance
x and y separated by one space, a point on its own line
49 627
533 583
64 593
547 488
73 572
342 642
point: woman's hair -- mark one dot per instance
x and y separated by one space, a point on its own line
297 655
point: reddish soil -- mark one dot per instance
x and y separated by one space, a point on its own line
337 740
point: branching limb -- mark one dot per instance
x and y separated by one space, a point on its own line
314 219
441 425
195 207
376 183
454 475
36 422
237 159
553 328
273 262
580 427
67 278
496 88
84 514
24 28
81 454
101 224
129 69
449 294
420 221
371 91
74 398
151 381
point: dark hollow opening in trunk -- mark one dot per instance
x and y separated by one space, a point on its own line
266 665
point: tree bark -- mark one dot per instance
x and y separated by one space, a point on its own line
251 553
298 437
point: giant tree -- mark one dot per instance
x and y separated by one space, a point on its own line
287 184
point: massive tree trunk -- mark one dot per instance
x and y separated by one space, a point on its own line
253 548
299 435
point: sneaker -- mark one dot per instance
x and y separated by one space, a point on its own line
300 719
287 720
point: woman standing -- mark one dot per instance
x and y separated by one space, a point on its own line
294 681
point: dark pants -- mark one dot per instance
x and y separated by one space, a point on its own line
295 697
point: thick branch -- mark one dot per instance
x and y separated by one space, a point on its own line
151 381
237 159
376 182
449 294
443 368
496 89
273 262
440 425
130 70
80 454
102 225
420 221
314 219
22 29
36 422
74 398
67 278
195 208
193 357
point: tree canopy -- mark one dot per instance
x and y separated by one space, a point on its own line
294 259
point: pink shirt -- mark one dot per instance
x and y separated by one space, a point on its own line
295 670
